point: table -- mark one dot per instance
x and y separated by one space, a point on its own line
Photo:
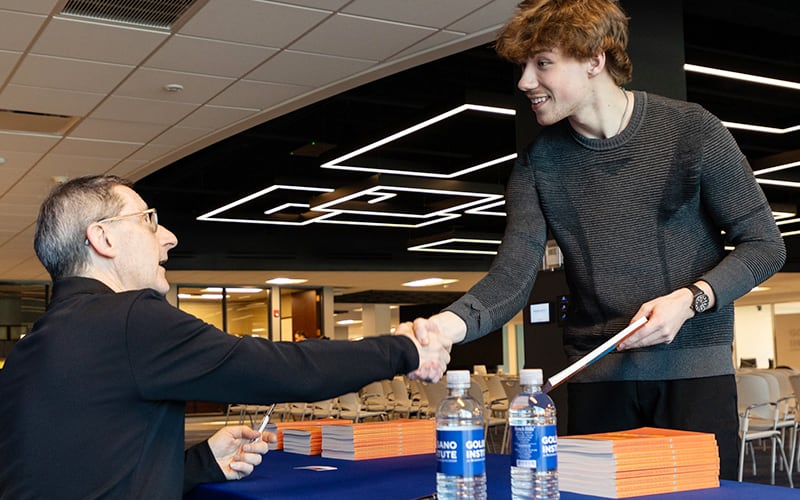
407 478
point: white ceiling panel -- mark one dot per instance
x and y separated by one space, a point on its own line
151 152
208 57
70 166
494 15
178 136
421 12
142 110
259 23
360 37
303 68
320 4
35 6
249 94
33 143
79 39
69 74
94 148
127 168
7 61
437 40
149 84
9 208
16 223
18 29
53 101
216 117
116 130
17 163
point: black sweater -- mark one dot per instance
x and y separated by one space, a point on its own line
92 400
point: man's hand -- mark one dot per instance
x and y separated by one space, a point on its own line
433 355
235 452
665 316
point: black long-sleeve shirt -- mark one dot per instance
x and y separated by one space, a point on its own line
92 399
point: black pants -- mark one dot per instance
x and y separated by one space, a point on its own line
698 404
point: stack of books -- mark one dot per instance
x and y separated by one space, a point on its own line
368 440
644 461
280 428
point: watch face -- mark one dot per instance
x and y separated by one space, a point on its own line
701 303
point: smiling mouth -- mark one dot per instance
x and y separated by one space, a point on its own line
538 100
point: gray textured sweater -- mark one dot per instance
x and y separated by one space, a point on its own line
637 216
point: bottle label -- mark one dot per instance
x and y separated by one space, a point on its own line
461 451
535 447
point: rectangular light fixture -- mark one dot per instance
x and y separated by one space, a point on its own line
763 80
338 163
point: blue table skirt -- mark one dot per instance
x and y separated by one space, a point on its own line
407 478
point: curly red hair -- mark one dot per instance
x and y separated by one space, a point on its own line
579 28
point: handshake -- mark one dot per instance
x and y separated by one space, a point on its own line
434 337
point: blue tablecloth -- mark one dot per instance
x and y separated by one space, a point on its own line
407 478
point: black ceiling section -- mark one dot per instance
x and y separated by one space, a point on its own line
739 35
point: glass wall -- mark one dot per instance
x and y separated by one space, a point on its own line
236 310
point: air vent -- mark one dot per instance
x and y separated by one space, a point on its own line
159 14
43 123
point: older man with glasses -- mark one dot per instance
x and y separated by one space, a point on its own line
92 400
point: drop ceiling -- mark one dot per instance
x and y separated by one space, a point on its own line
243 95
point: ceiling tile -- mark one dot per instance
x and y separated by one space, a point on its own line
7 61
178 136
53 101
151 152
142 110
344 35
69 74
259 23
436 40
149 84
34 6
17 163
215 117
79 39
94 148
249 94
126 169
18 29
421 12
320 4
70 166
14 208
34 143
116 130
303 68
208 57
494 15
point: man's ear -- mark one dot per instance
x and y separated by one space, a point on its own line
98 240
596 63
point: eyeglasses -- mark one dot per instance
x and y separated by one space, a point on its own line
149 214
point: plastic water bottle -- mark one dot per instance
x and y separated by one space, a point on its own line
460 444
534 447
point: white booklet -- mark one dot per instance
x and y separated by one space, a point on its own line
600 351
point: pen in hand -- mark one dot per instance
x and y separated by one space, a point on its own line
264 422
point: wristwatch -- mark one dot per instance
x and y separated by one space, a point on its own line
700 301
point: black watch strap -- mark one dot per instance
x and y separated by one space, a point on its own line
700 300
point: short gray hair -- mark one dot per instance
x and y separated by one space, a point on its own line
65 214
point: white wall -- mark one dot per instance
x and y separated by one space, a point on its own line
754 334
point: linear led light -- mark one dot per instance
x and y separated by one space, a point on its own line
484 210
787 221
217 289
335 163
286 281
436 246
776 168
430 282
777 182
761 128
258 194
381 190
791 233
741 76
334 220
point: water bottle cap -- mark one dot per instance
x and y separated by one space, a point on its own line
458 378
530 376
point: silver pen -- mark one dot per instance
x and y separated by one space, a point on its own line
264 422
